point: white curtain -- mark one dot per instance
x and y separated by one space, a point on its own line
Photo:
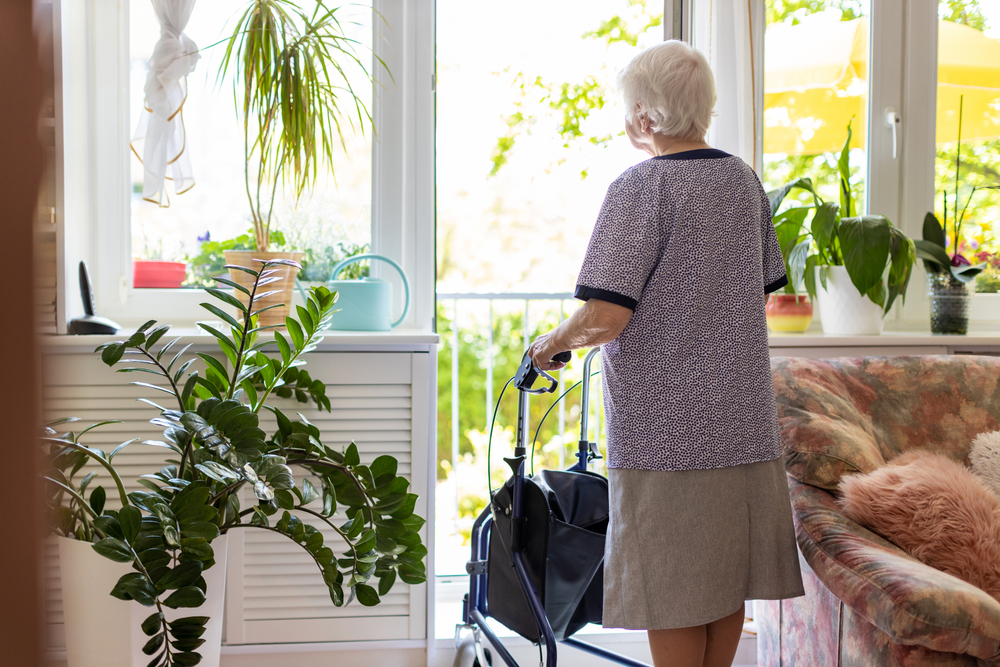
731 35
160 140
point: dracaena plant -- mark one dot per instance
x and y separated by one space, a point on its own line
213 429
878 256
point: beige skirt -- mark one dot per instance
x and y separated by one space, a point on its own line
686 548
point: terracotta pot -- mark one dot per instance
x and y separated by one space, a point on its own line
282 288
152 273
789 313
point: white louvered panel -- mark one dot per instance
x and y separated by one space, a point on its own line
283 595
81 385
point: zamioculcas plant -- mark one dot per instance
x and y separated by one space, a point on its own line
213 428
866 245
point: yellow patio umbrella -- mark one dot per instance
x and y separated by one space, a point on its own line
816 79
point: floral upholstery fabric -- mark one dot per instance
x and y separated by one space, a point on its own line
841 416
867 602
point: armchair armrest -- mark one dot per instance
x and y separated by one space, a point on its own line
911 602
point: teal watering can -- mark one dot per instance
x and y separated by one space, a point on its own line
366 304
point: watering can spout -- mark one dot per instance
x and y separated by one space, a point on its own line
366 304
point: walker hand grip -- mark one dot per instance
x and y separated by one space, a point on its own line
528 373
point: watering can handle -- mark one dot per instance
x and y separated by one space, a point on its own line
406 284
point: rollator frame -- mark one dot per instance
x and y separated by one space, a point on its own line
474 607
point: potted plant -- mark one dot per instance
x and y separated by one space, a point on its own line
950 278
289 72
169 533
151 270
853 266
210 261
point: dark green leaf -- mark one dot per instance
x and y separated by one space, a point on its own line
97 499
295 331
185 574
130 519
114 549
933 232
351 456
197 548
228 299
385 582
187 659
189 596
367 595
152 624
865 242
153 645
112 354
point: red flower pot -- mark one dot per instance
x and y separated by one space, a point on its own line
148 273
789 313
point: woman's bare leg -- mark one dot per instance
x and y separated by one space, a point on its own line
722 638
680 647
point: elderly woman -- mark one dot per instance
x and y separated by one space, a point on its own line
674 280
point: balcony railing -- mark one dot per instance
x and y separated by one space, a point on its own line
477 315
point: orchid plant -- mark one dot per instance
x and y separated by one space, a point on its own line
214 433
933 248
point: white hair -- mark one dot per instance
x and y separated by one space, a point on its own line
672 84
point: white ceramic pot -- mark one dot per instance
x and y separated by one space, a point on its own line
102 631
843 310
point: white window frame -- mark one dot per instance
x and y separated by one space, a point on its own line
97 222
903 77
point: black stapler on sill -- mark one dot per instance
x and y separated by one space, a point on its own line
90 323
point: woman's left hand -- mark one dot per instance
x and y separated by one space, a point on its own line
542 351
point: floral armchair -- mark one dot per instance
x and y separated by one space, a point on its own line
867 602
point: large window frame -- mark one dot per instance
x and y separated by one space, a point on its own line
97 185
902 79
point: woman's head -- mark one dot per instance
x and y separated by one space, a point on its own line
671 86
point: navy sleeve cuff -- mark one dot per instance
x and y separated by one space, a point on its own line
584 293
776 285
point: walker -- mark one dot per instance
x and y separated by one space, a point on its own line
538 550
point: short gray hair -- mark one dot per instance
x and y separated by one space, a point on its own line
674 86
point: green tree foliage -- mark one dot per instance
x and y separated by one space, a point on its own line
572 102
508 348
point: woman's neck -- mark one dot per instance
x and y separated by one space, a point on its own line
663 145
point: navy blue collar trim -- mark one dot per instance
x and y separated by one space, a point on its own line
698 154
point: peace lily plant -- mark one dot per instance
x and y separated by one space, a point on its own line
878 257
213 432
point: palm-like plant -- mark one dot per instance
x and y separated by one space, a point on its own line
213 429
291 84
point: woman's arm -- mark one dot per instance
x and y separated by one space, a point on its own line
596 323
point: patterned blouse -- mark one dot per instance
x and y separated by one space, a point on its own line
686 242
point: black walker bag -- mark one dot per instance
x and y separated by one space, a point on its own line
566 520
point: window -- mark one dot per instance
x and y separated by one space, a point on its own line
329 222
970 31
816 82
384 181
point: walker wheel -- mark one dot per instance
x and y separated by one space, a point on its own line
489 659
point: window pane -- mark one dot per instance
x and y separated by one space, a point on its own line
530 136
969 86
815 83
216 208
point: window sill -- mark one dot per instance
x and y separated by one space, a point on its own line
397 340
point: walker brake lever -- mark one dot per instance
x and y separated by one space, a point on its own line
528 373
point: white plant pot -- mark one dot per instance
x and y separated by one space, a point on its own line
843 310
103 631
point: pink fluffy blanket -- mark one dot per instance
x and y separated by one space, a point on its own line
936 510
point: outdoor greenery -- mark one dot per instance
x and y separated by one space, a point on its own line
216 444
292 88
864 244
